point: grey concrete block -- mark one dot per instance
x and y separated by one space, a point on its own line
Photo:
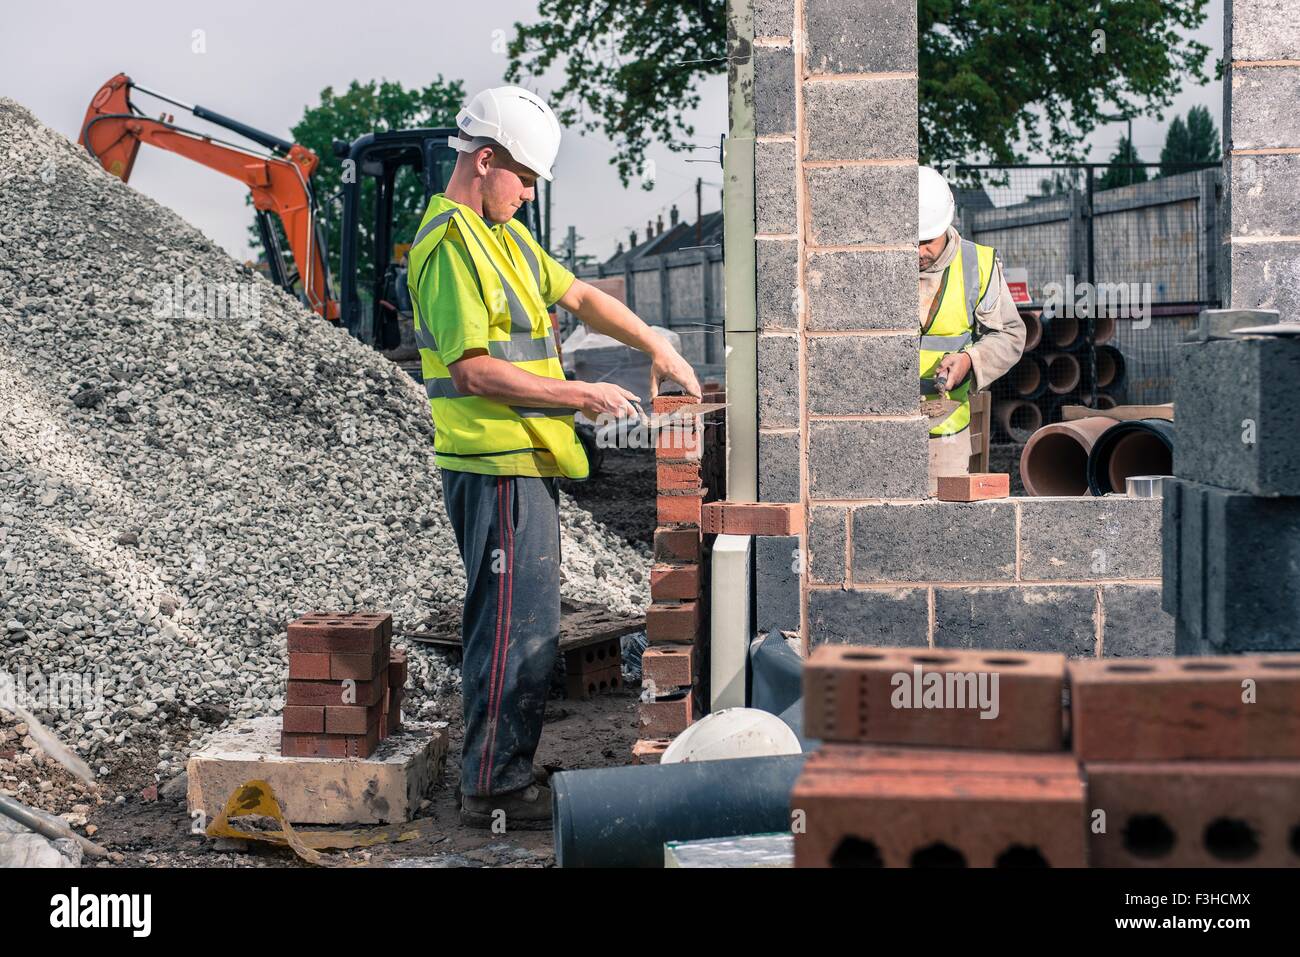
1238 406
862 289
776 565
862 204
1133 623
774 187
1237 561
774 90
778 467
861 36
1263 107
1089 538
773 18
827 535
863 375
1265 201
874 459
860 119
778 382
934 542
777 283
1262 30
1265 276
1220 323
1057 618
897 617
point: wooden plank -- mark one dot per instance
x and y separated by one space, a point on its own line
581 624
1121 413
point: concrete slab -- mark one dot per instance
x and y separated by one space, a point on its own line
753 850
385 788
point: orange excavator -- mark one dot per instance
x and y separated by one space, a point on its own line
280 182
372 303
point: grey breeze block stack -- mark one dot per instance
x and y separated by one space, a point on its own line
1232 515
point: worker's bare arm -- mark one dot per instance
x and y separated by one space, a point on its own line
477 373
605 314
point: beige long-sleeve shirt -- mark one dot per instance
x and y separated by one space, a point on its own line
1000 332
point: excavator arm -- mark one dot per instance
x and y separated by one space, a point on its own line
114 129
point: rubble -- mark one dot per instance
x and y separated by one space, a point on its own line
173 491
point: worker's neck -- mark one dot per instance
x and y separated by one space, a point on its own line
466 189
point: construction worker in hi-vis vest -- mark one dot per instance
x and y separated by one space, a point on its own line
971 331
503 412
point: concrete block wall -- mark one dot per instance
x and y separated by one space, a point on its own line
1261 129
834 97
1076 576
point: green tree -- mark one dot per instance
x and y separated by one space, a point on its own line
1196 141
365 108
991 71
1117 174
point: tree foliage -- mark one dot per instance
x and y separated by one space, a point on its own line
630 68
995 71
991 71
1118 173
1194 141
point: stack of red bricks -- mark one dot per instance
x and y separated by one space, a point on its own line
1180 762
346 684
904 779
1195 762
690 460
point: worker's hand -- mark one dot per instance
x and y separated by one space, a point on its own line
667 363
606 398
954 367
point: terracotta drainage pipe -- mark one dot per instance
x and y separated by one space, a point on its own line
1063 372
1063 332
1033 329
1103 330
1027 378
1018 418
1141 447
1055 461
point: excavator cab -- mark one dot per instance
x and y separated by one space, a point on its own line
407 167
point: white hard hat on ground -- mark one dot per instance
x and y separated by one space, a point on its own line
936 202
733 733
515 118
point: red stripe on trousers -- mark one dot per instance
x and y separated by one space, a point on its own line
496 644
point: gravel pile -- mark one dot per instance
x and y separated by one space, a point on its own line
174 490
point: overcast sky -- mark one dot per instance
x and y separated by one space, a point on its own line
266 61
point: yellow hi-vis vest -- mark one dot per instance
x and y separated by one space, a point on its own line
964 285
474 434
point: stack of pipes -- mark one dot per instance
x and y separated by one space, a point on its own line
1056 370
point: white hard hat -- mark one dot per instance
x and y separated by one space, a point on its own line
732 733
515 118
936 204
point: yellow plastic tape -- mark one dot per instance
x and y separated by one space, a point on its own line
256 798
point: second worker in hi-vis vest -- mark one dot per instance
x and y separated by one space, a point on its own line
503 416
971 331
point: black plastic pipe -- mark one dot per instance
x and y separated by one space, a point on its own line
1139 447
622 817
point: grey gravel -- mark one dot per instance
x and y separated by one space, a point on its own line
174 491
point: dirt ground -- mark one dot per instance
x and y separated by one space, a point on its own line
145 831
143 822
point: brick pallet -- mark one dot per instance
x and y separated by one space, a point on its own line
345 688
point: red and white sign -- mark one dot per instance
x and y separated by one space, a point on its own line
1018 283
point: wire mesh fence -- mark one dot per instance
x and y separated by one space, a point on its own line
1110 265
